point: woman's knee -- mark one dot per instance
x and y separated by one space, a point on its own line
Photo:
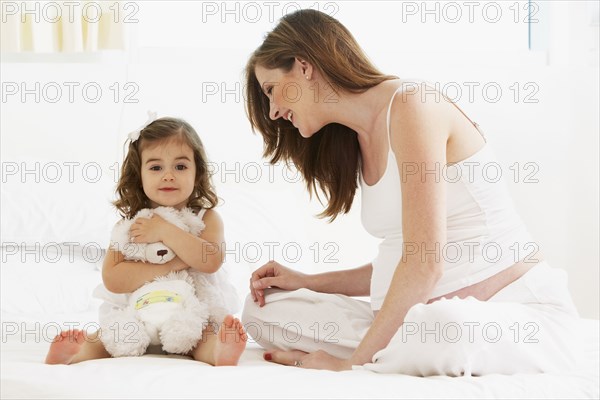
255 318
251 310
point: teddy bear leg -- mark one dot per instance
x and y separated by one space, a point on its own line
123 334
181 333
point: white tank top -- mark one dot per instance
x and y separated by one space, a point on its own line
485 235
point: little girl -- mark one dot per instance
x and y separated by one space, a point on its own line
165 166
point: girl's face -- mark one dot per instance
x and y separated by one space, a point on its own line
291 97
168 173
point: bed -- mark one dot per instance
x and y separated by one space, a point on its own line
24 376
59 296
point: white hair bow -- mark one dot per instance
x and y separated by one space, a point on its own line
135 135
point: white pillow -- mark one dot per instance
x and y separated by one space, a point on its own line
45 206
36 282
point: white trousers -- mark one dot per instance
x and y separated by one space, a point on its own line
530 326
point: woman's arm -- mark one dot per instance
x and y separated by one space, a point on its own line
419 141
350 282
120 276
204 253
353 282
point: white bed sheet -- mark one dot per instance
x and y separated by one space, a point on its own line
23 375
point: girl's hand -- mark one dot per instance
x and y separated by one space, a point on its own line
317 360
148 230
273 274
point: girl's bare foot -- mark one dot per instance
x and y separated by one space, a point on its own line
230 343
65 346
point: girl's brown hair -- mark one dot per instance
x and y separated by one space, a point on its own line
131 196
330 159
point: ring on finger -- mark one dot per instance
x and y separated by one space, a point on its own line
297 363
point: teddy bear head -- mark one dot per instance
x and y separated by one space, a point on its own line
156 253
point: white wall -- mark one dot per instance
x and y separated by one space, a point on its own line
183 51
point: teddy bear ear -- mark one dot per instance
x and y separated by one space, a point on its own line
197 228
144 213
193 222
119 236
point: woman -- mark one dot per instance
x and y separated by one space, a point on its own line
442 302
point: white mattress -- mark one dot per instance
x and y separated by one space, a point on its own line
23 375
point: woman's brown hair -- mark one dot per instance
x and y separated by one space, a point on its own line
330 159
130 192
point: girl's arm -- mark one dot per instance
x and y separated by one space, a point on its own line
122 276
421 144
204 253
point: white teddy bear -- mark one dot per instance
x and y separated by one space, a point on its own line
171 310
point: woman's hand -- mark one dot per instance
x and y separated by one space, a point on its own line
148 230
273 274
317 360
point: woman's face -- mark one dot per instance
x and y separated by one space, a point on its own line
291 97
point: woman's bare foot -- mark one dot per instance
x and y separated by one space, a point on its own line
230 343
65 346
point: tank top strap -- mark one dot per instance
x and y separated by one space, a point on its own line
201 213
388 117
